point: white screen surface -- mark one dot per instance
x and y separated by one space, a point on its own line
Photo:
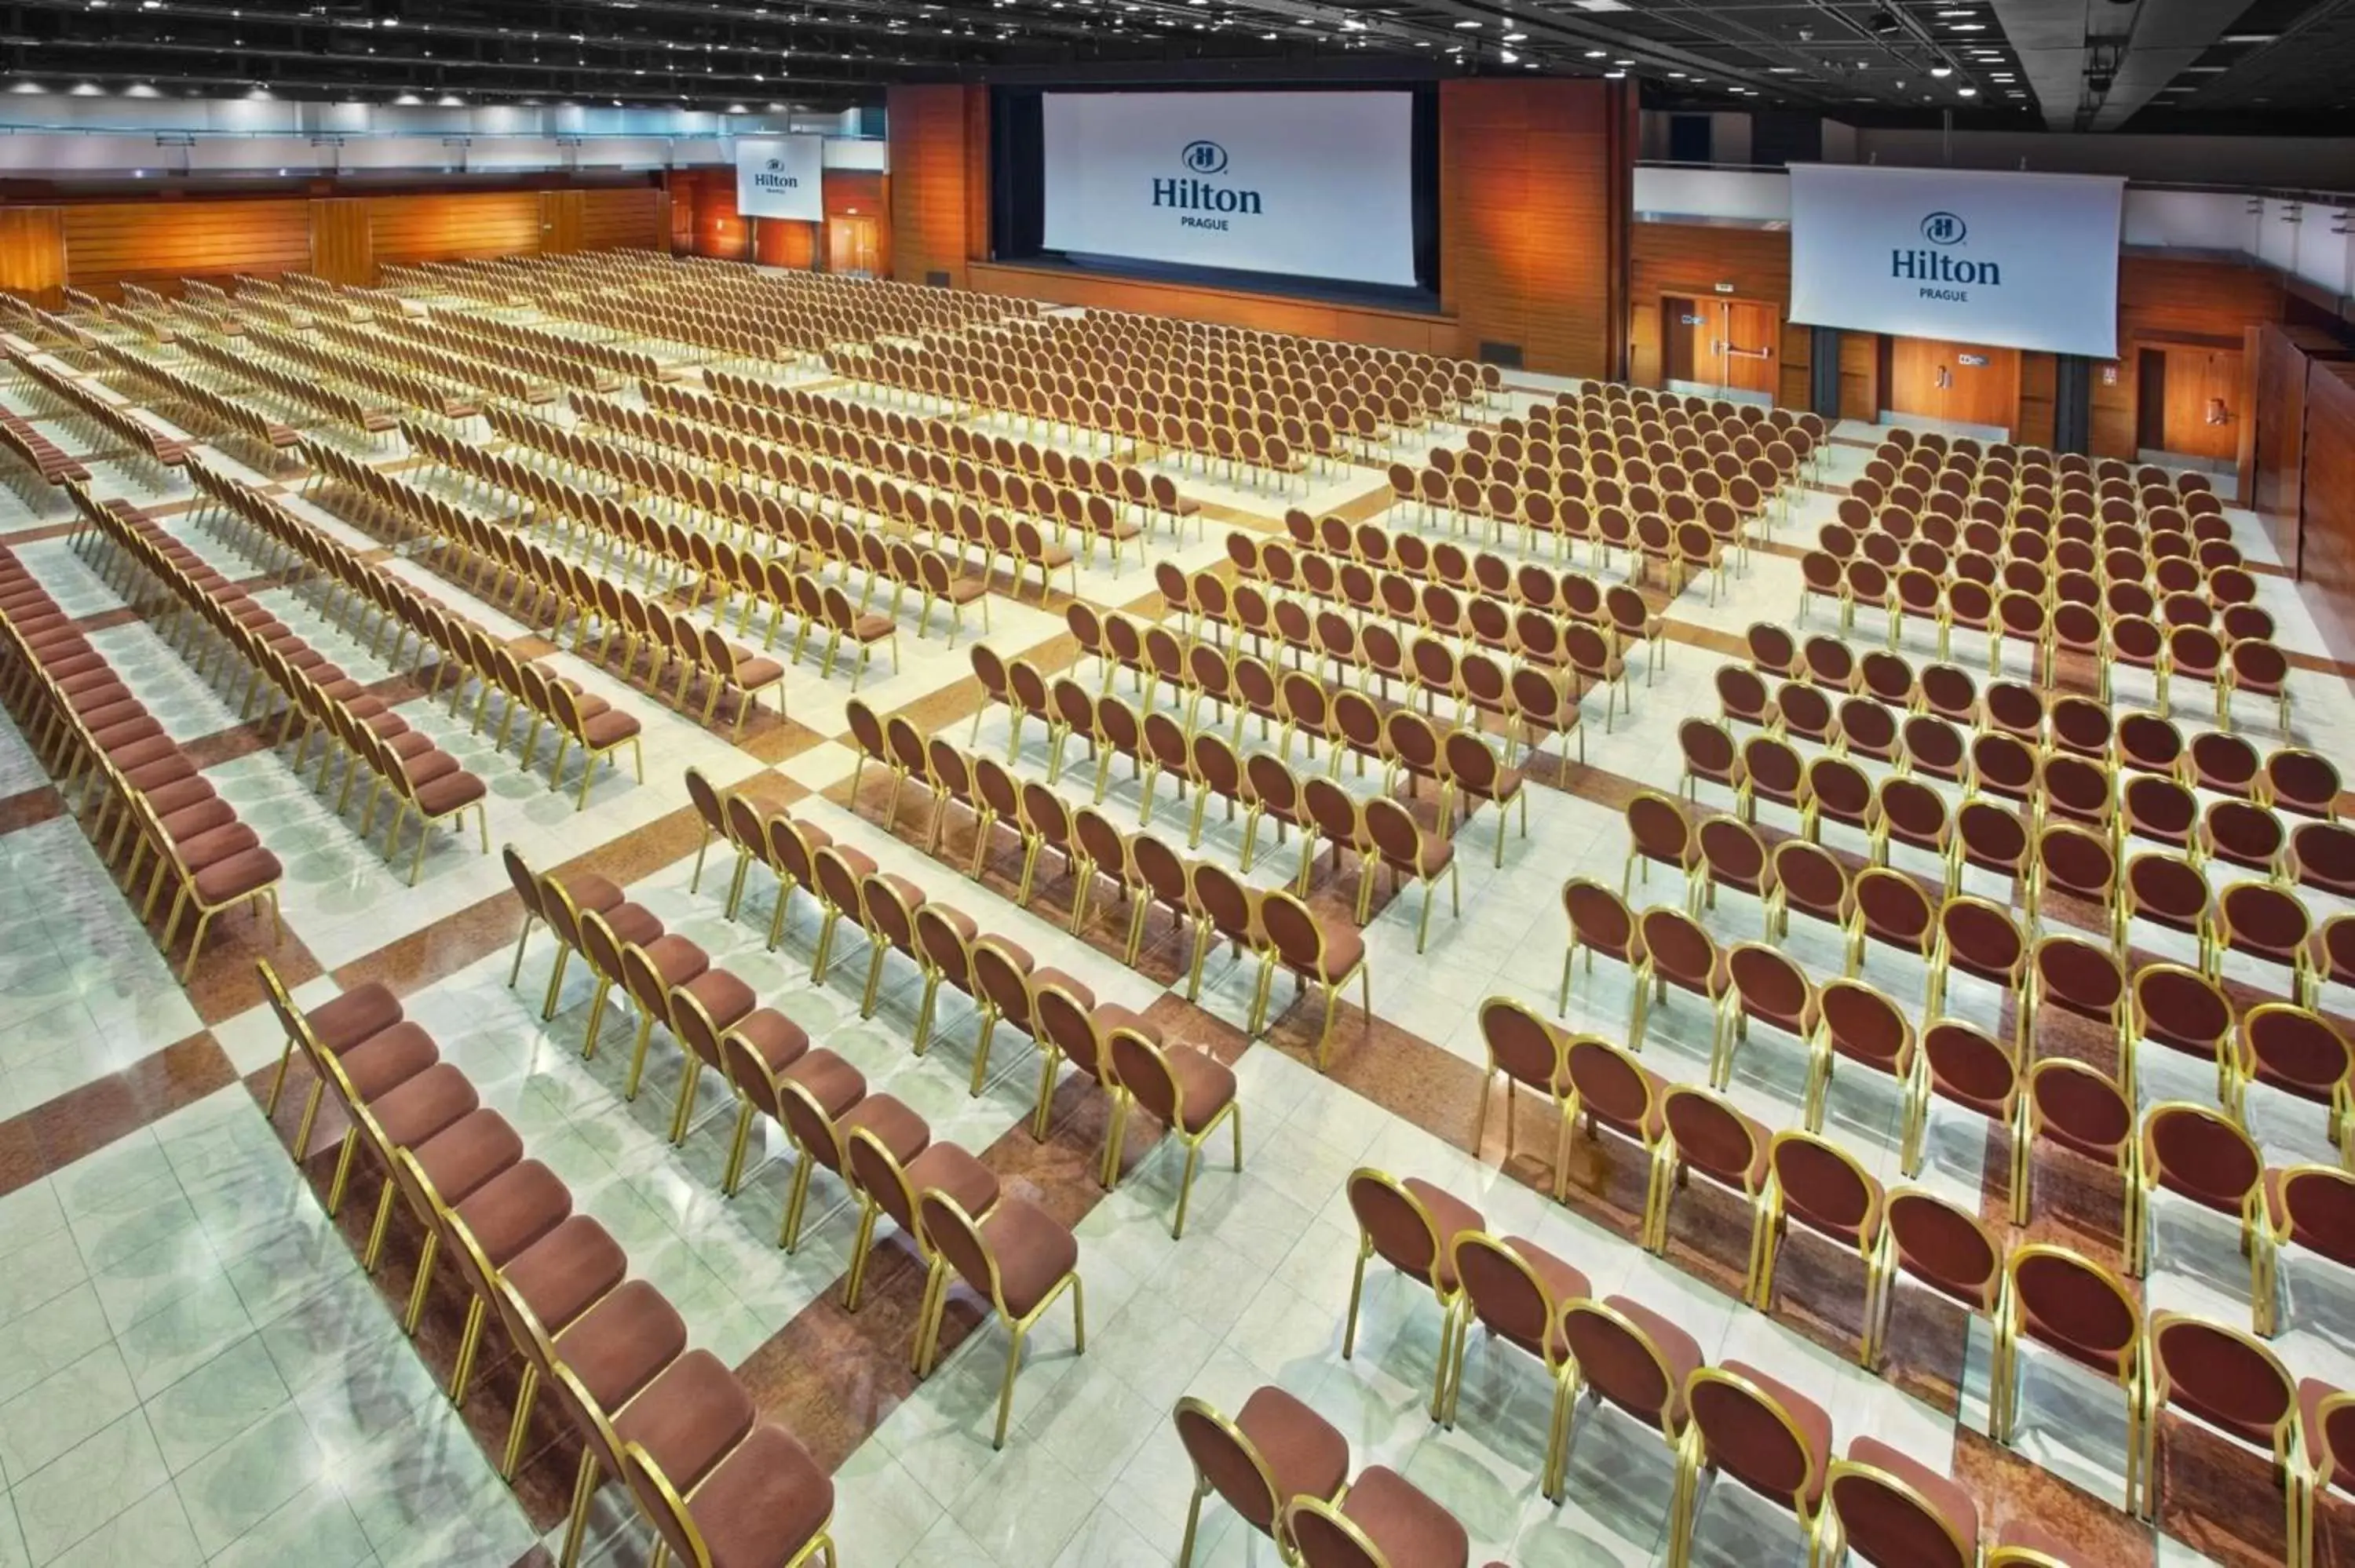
781 179
2018 260
1314 184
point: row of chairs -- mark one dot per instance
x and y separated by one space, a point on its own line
382 339
420 776
365 378
1732 1421
356 592
84 723
716 1482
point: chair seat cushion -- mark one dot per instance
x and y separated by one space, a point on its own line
354 1016
723 998
833 1083
564 1273
893 1122
428 1104
948 1168
515 1208
1034 1251
676 960
622 1342
1307 1455
589 891
765 1502
246 873
1206 1086
467 1153
632 923
777 1040
689 1417
1403 1523
1453 1216
450 792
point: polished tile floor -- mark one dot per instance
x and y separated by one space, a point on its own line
193 1368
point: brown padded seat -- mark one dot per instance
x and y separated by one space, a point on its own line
833 1083
764 1502
1451 1214
387 1059
1405 1525
690 1417
467 1153
590 891
352 1017
633 924
450 792
777 1040
1034 1251
1307 1455
910 894
1205 1084
948 1168
676 960
515 1208
423 1105
238 875
890 1119
565 1272
721 994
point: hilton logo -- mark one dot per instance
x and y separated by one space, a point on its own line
1931 267
1192 197
773 178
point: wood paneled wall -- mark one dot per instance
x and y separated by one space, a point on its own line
33 253
2039 389
405 230
939 181
1421 333
785 242
2327 561
2274 477
1534 218
110 243
628 217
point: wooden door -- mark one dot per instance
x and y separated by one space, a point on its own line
852 246
1682 340
1748 339
559 221
2200 412
1956 383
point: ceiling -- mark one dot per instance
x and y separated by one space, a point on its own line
2103 65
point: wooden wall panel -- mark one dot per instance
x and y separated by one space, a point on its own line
560 222
2200 381
1421 333
628 217
160 242
1798 366
2039 389
406 230
2114 401
785 242
934 166
2327 561
341 251
1533 230
1694 258
33 253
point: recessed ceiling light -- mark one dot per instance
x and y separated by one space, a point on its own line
1966 92
1942 71
1595 54
1460 26
1613 75
2251 37
1783 71
1600 5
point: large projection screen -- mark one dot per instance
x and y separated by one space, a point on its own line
2017 261
784 177
1312 185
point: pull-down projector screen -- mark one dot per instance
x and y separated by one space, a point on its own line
2017 261
1316 185
781 179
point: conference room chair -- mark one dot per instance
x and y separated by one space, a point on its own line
1019 1259
1414 1227
767 1501
1637 1361
888 1183
2233 1386
1887 1509
1761 1433
1189 1092
1945 1248
1708 1134
2203 1156
1818 1183
1515 1291
2071 1305
1275 1450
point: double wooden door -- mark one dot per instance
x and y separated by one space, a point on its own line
1728 344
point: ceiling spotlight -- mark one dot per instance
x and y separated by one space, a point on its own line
1966 92
1942 71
